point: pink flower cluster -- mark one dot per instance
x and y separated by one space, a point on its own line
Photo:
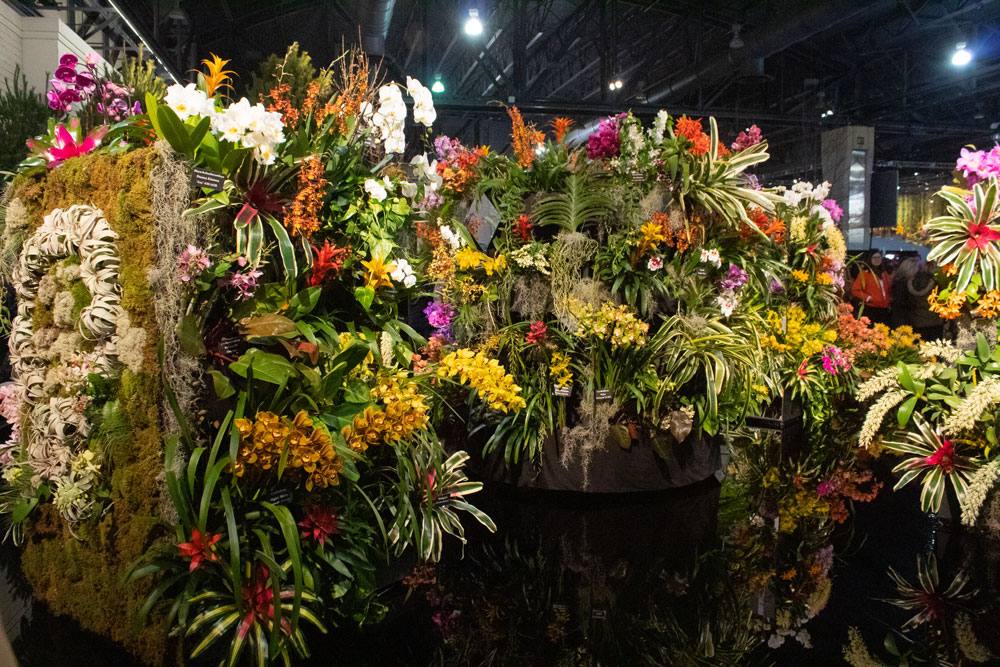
604 141
244 282
447 149
835 361
747 138
440 315
834 209
78 83
191 263
979 166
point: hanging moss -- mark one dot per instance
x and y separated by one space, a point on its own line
83 575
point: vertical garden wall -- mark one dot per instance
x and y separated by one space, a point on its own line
80 570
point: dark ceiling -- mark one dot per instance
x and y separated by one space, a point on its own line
883 62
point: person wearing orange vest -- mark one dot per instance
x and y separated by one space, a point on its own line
873 289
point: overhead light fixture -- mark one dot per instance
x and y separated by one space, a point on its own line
916 173
736 42
438 85
962 56
615 85
473 26
826 114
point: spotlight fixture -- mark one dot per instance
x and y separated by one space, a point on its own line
615 85
473 26
826 114
916 173
438 85
962 56
736 42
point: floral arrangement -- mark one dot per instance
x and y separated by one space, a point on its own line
301 406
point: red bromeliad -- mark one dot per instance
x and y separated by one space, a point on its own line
329 261
981 236
943 457
319 523
199 549
523 227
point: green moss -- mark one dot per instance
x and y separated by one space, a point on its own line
83 578
81 297
42 318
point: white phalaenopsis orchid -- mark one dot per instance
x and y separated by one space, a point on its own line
423 102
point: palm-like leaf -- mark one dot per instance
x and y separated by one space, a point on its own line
582 201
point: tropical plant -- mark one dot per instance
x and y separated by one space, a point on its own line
967 237
23 114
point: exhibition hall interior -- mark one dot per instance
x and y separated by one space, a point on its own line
499 332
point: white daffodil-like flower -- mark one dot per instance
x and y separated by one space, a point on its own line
404 273
453 239
375 189
423 102
876 414
187 101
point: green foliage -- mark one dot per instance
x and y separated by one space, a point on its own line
138 74
295 69
583 201
23 114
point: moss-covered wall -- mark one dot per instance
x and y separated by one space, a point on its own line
82 576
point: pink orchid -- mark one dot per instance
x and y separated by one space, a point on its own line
65 144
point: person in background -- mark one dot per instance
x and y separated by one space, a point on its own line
900 311
914 304
872 289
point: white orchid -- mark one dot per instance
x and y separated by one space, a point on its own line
423 102
404 273
187 101
375 189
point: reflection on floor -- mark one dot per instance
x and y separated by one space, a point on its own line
655 579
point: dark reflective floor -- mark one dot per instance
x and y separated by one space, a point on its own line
659 579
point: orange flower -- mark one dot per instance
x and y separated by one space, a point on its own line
691 129
560 126
217 77
302 216
280 102
525 138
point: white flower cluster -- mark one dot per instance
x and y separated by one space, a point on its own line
876 414
964 416
802 191
711 257
188 101
727 302
659 127
49 366
451 237
876 384
940 350
403 273
378 190
856 652
389 120
423 102
250 126
531 256
977 492
426 172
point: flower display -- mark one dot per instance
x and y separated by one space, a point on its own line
493 384
604 142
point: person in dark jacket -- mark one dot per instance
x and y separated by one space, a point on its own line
916 289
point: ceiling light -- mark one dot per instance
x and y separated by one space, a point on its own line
916 173
829 112
615 85
736 42
438 85
962 56
540 149
473 26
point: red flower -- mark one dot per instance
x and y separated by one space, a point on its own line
523 227
329 261
199 548
65 145
537 333
319 523
804 368
981 236
943 457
